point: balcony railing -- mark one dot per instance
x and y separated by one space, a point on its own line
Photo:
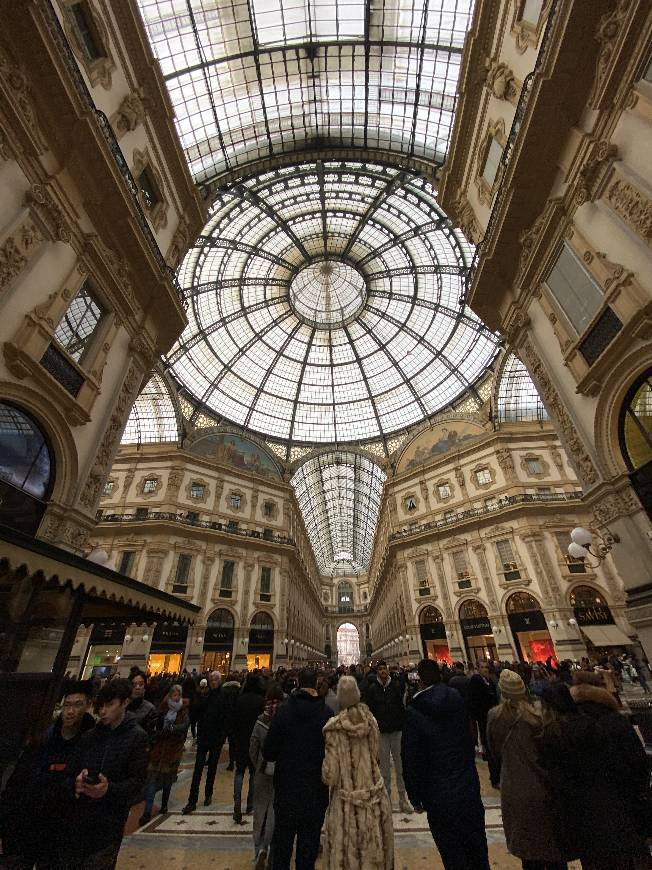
85 95
501 503
172 517
345 609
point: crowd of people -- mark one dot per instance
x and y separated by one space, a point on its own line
317 748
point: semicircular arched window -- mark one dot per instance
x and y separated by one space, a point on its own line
26 470
522 602
636 423
220 618
262 620
473 609
430 615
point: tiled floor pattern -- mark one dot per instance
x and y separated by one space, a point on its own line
209 838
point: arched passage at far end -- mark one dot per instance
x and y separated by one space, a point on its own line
348 644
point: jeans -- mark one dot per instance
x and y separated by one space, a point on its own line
459 834
306 827
213 753
238 781
150 794
391 742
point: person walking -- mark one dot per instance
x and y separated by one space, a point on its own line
385 697
460 680
165 755
211 734
143 710
248 707
482 696
295 742
599 780
264 779
440 773
359 833
513 732
109 772
230 691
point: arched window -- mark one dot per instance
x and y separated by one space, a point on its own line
518 398
345 597
473 609
636 424
262 620
26 470
430 616
587 596
220 618
522 602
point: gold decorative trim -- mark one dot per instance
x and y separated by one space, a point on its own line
526 34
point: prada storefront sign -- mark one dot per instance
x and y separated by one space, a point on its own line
433 631
596 615
476 626
529 620
218 637
169 637
261 639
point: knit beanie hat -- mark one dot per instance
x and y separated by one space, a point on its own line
512 687
348 693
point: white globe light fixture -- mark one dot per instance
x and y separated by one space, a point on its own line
577 551
581 536
99 556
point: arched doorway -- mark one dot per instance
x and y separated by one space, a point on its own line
476 629
433 635
26 470
595 620
261 641
635 434
348 644
528 625
345 597
218 642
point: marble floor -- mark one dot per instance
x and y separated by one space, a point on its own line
210 838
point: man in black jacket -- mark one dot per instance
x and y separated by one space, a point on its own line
482 695
385 697
109 770
440 773
37 804
211 734
296 744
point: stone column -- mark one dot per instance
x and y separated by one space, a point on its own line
195 646
135 650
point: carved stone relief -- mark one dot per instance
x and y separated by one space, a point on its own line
16 250
131 113
501 81
631 205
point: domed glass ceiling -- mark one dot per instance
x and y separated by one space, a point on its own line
326 305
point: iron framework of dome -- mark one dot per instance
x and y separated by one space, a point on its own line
327 306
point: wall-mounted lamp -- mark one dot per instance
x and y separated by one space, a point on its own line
581 541
553 623
145 638
572 621
496 629
128 638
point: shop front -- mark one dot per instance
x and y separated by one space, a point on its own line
529 628
476 628
104 650
168 648
218 642
595 620
433 635
261 642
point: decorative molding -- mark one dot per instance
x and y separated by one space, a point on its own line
174 481
545 467
506 463
131 112
16 251
98 70
47 214
196 481
615 505
467 219
157 213
526 34
502 82
140 486
15 90
483 466
582 462
632 206
495 130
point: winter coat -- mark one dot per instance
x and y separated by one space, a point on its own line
169 742
37 805
296 743
121 755
211 722
387 704
359 832
599 779
482 695
248 707
438 751
460 682
524 787
145 714
263 787
230 692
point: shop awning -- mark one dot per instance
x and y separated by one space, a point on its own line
107 594
606 635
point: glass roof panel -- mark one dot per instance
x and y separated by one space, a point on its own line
296 334
152 417
518 399
250 79
339 495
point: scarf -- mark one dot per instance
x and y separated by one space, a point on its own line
171 715
271 707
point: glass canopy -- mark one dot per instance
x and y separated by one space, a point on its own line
339 495
327 305
254 78
152 417
518 399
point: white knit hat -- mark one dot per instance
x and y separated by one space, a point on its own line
511 686
348 693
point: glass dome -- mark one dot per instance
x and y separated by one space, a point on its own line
327 305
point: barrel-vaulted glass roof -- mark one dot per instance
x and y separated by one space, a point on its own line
327 305
254 78
339 495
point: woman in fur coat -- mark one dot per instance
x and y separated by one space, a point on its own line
359 833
